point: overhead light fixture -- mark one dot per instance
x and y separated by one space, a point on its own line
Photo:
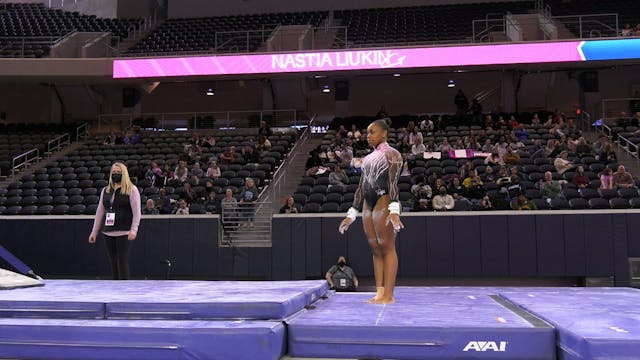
452 84
396 75
326 89
319 76
210 92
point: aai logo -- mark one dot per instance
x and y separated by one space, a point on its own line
499 346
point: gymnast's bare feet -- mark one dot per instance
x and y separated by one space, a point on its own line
379 295
384 300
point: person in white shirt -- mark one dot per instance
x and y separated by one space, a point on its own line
442 201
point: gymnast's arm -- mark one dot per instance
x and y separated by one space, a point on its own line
395 166
358 198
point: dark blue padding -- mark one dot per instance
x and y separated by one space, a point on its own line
592 323
163 300
424 323
71 339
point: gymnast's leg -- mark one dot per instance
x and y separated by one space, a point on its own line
369 230
386 237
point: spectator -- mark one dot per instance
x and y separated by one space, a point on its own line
213 171
582 148
212 206
523 203
549 188
513 123
521 133
338 177
418 148
421 198
341 277
110 139
442 201
248 200
150 209
249 155
487 147
264 144
209 142
627 30
488 175
264 130
197 170
511 157
154 174
181 172
289 206
183 208
622 179
606 179
485 203
445 146
164 202
514 172
598 147
580 180
475 188
426 125
562 164
189 194
229 206
167 173
228 156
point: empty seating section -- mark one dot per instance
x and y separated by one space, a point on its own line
72 184
16 139
29 30
420 24
199 34
628 11
315 193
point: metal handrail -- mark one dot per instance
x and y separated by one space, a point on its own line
82 131
55 144
16 165
268 192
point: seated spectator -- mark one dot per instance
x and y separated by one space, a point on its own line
264 144
493 159
521 133
228 156
110 139
523 203
213 171
475 188
150 209
249 155
622 179
455 187
289 206
535 120
338 177
422 198
488 175
514 172
154 174
167 173
549 188
431 146
598 147
511 157
426 125
582 148
183 208
164 202
341 277
485 203
418 148
404 146
627 30
209 142
580 180
459 145
606 179
314 159
197 170
513 123
609 153
211 205
562 164
444 146
354 133
181 172
264 129
442 201
189 194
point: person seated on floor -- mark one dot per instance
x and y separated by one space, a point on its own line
342 277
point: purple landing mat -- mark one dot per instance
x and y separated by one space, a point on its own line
424 323
162 300
592 323
54 339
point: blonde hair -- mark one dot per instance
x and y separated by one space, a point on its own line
125 183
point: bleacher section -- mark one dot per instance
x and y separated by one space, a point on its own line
628 11
72 184
316 194
29 30
199 34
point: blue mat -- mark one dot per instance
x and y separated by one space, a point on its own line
592 323
424 323
162 300
53 339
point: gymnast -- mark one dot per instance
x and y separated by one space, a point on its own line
377 196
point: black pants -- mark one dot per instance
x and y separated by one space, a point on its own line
118 251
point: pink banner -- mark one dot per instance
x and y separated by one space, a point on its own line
349 60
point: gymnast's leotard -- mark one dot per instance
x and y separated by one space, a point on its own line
380 174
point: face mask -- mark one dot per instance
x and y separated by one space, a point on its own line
443 192
116 178
342 263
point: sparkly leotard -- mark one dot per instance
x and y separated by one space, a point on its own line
380 173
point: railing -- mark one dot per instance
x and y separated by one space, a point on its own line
82 131
57 143
543 9
280 179
482 29
223 120
24 160
240 41
246 225
590 26
18 44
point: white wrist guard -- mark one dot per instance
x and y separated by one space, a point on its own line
352 213
394 208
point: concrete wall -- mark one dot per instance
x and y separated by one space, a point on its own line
202 8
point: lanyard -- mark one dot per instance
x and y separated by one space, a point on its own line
113 196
